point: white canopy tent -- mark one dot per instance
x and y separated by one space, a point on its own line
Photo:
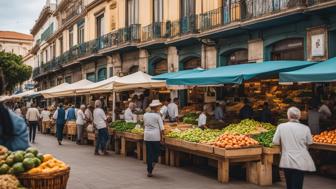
48 93
4 98
25 94
66 90
104 86
137 80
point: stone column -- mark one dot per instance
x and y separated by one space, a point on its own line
116 62
143 60
256 50
209 57
173 59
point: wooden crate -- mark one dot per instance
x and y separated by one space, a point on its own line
272 150
111 131
72 130
205 148
322 146
172 141
133 136
188 145
237 153
119 134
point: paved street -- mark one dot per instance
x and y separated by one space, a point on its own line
92 172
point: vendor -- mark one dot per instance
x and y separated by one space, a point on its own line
246 112
128 115
202 119
164 110
219 111
71 113
314 118
266 114
173 111
325 110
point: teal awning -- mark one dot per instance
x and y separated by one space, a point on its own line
320 72
170 75
236 74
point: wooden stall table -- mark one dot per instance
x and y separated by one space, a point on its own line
322 146
130 137
223 156
261 172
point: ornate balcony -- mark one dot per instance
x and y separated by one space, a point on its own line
153 31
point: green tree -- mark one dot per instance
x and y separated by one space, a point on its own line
15 72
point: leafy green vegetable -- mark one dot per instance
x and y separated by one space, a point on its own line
265 139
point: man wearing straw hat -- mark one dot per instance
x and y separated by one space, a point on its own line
153 135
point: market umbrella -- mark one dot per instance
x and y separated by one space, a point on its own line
236 74
320 72
48 92
25 94
170 75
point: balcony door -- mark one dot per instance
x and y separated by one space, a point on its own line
132 12
100 28
187 13
187 8
157 11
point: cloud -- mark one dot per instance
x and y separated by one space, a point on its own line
19 15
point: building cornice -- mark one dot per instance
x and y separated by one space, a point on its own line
45 13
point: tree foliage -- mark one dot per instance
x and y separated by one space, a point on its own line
15 72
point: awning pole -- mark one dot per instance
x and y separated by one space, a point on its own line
113 105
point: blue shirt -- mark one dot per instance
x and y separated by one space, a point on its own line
71 114
19 140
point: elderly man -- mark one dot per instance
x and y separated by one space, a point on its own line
294 139
128 115
99 120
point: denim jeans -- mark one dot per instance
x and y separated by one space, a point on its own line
59 131
294 178
102 140
32 130
153 152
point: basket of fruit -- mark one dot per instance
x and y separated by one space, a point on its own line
71 128
34 170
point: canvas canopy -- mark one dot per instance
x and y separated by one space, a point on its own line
104 86
137 80
25 94
66 90
236 74
170 75
320 72
48 92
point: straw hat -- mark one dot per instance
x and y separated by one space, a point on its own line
155 103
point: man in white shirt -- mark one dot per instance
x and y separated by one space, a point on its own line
45 115
99 120
164 110
128 115
325 111
88 114
32 116
173 110
80 121
202 120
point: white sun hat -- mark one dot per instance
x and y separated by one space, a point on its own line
155 103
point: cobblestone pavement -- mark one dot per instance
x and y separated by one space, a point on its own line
113 172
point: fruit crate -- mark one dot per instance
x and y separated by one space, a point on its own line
92 136
206 148
72 129
239 152
133 136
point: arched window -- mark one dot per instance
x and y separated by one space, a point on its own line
102 74
160 67
288 49
192 63
238 57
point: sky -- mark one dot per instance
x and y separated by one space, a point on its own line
19 15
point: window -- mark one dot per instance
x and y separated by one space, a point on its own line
46 55
133 69
54 50
91 76
111 71
132 12
71 39
59 80
68 79
61 44
100 25
158 10
80 34
238 57
187 8
102 74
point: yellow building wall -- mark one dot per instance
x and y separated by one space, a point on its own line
171 10
145 12
90 21
121 14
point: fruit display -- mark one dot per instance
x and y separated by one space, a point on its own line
48 165
196 135
19 161
230 141
248 126
326 137
9 182
122 126
191 118
137 130
266 138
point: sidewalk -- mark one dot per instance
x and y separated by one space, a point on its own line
107 172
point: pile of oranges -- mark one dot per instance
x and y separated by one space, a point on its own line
234 141
49 165
327 137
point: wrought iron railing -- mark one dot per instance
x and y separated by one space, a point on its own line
156 30
77 9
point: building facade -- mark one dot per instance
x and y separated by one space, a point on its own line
96 39
14 42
